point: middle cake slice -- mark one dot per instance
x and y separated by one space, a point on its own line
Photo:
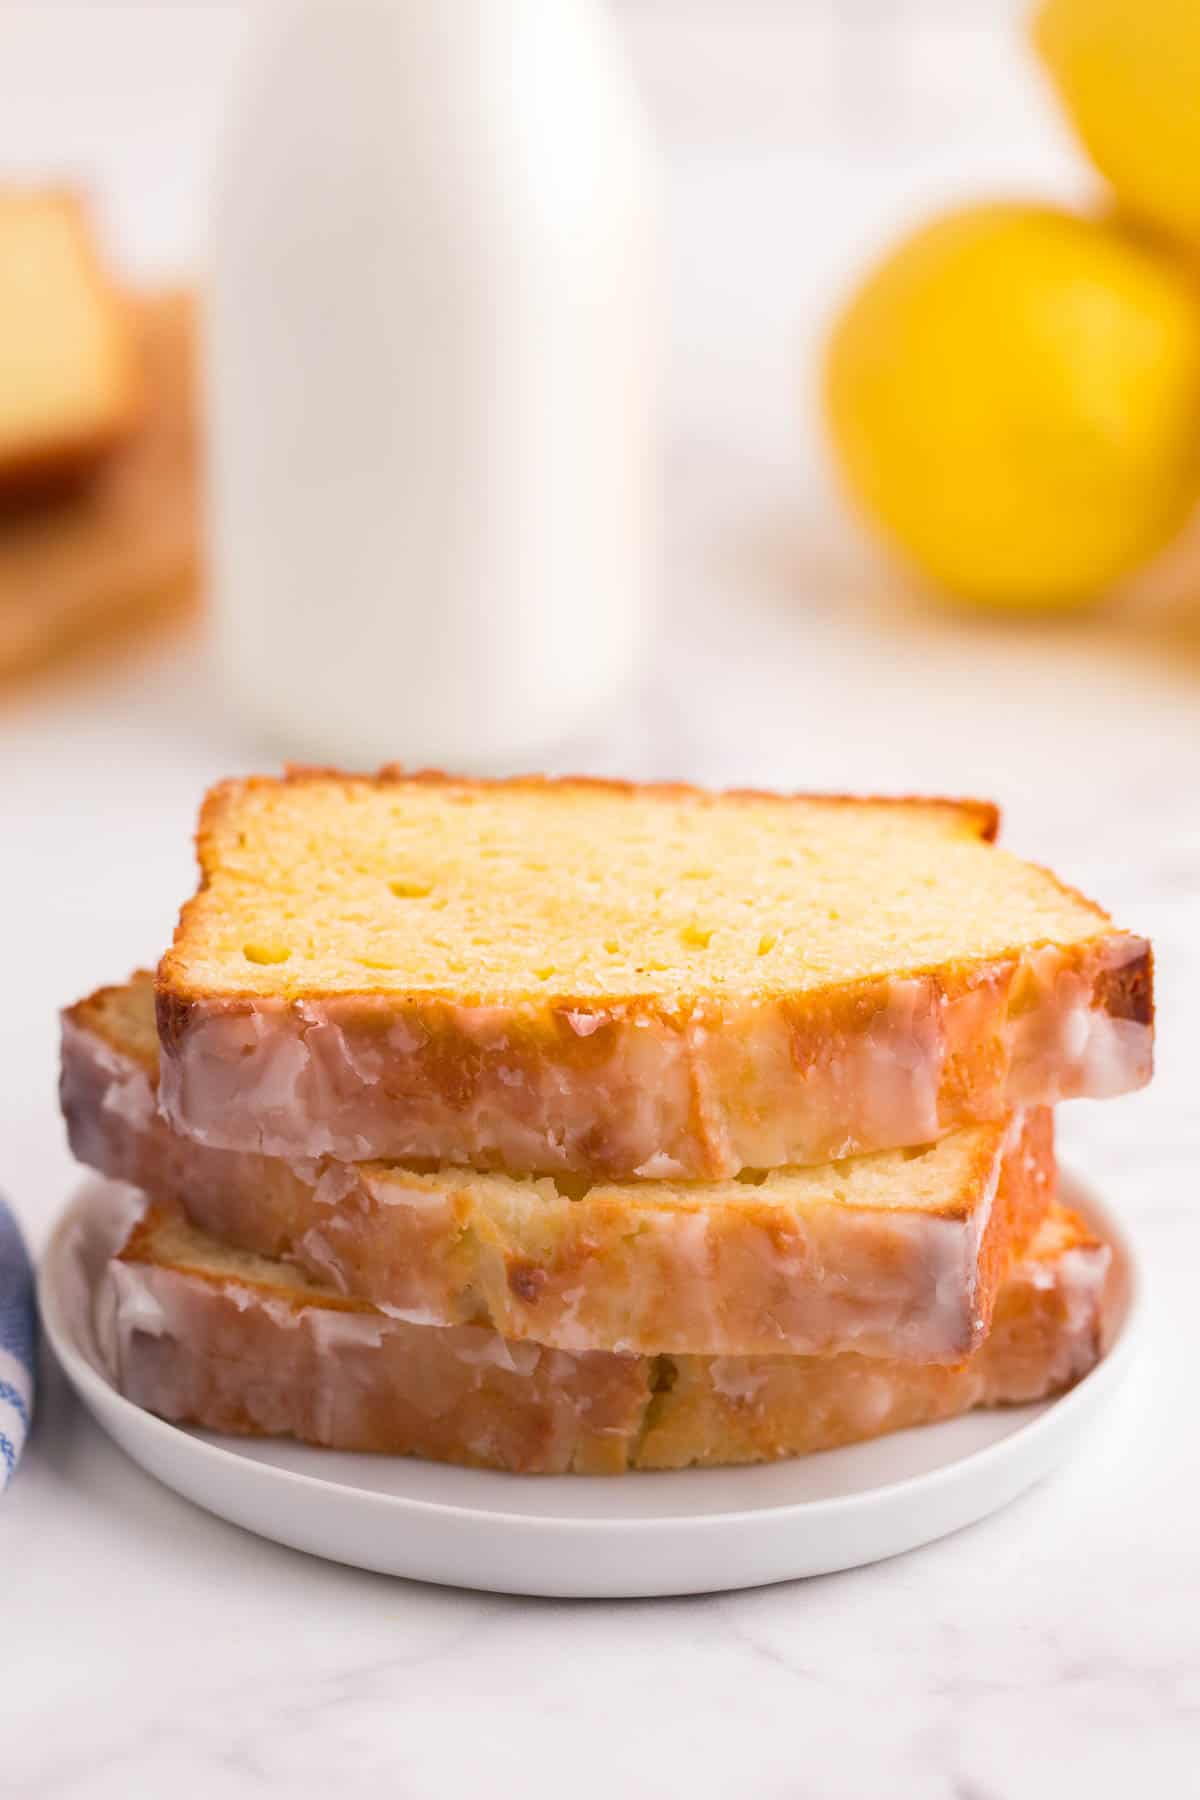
898 1254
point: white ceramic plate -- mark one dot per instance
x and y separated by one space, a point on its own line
698 1531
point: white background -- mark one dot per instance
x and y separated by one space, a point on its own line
150 1650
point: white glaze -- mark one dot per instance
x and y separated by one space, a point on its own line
95 1080
739 1088
1081 1277
646 1271
732 1379
224 1351
1066 1048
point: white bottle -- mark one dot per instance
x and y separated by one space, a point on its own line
431 376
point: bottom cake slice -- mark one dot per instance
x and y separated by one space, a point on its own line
215 1337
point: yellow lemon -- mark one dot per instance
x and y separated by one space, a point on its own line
1013 396
1128 73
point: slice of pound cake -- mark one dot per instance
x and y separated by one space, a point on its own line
208 1336
625 982
70 386
898 1254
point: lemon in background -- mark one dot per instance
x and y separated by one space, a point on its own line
1128 74
1013 397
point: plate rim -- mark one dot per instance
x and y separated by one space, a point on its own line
97 1392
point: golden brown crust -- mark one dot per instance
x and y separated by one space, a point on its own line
1024 1196
1128 992
983 815
105 1015
149 1241
57 471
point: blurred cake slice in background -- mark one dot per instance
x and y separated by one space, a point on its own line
70 375
120 551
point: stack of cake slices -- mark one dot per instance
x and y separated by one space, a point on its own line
576 1126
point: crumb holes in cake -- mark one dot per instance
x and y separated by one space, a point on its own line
544 971
695 936
258 952
697 873
612 947
766 943
751 1177
410 887
572 1187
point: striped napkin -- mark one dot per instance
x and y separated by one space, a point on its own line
17 1334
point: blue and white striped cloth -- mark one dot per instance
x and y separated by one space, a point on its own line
17 1344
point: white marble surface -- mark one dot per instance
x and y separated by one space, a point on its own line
150 1650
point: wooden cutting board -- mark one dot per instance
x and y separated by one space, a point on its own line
124 551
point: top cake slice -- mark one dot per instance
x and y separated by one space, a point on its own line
625 981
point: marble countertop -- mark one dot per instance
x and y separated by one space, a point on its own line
152 1650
